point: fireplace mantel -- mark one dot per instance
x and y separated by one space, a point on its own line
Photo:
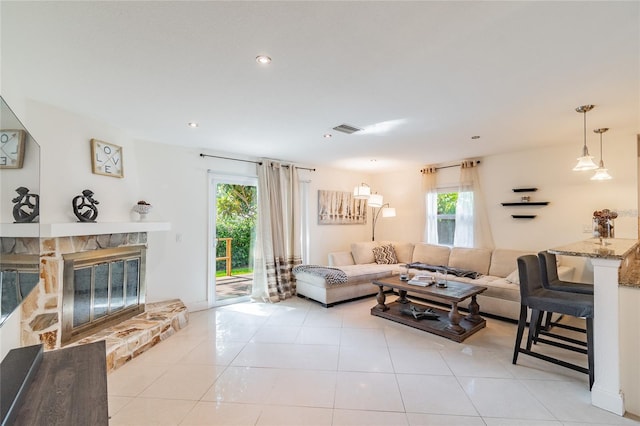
73 229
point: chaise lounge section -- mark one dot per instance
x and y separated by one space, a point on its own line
368 261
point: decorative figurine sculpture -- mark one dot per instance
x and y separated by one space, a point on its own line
27 206
84 206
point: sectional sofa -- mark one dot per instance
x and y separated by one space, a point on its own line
363 264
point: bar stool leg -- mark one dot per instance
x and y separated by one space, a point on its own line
533 327
521 323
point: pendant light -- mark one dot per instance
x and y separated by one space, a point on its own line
601 172
586 161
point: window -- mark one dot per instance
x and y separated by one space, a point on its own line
446 217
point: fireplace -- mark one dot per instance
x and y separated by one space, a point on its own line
100 288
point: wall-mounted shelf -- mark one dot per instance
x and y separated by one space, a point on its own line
525 189
523 216
527 203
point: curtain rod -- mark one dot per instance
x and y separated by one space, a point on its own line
249 161
452 165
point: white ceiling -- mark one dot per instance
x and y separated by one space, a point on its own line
420 77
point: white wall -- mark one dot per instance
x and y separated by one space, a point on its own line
175 182
64 139
328 238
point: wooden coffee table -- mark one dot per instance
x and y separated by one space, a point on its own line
449 324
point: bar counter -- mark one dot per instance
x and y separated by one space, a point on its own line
616 266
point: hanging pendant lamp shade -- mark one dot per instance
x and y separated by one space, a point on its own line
601 172
586 161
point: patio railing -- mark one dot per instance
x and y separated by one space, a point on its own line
227 256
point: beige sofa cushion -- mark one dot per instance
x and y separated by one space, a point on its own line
339 258
404 251
505 261
472 259
431 254
363 252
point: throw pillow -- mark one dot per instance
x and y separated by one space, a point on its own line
385 254
513 278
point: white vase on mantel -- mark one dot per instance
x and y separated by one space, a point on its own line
142 210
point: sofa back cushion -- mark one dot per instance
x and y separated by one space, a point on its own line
363 252
431 254
505 261
472 259
341 258
404 251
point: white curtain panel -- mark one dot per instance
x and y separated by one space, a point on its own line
431 197
472 223
278 232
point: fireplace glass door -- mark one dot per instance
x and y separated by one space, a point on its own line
101 287
104 289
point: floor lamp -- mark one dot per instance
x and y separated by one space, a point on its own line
386 212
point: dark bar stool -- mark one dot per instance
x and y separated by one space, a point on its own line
551 281
533 295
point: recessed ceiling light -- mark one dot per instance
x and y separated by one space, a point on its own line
475 137
373 161
263 59
192 124
327 135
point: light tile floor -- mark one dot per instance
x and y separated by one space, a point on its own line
297 363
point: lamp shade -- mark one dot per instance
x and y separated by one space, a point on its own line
375 200
585 163
361 192
601 174
389 212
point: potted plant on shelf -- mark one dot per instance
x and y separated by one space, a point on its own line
142 208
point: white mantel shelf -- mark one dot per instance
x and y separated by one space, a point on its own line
74 229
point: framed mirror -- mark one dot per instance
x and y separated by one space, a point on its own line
19 212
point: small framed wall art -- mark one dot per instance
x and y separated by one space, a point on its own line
106 159
12 148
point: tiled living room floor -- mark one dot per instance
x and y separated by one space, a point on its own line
296 363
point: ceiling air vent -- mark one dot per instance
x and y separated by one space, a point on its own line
346 128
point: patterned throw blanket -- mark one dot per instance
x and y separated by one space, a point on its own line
449 270
331 275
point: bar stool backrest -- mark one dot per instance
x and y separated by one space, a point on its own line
530 279
548 268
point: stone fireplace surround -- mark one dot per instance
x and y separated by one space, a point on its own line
41 311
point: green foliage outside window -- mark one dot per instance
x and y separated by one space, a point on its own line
447 217
447 203
236 218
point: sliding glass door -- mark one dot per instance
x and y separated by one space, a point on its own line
233 214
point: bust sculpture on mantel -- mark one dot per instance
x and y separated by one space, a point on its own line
84 206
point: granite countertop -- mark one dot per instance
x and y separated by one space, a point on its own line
616 248
626 250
